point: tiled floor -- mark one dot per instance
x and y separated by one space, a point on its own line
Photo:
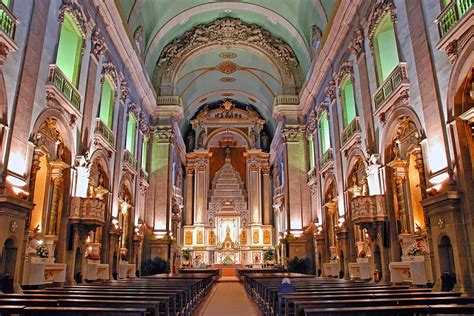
227 299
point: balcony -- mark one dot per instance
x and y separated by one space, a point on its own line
392 89
368 209
350 133
8 23
104 135
325 159
63 89
129 162
286 100
452 14
88 211
312 176
144 175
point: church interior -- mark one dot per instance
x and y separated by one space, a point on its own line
164 157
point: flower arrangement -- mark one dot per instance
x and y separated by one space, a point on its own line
333 257
186 254
362 254
227 260
93 256
414 249
42 251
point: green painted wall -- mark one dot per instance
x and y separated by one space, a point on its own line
6 2
131 133
348 101
106 102
69 49
325 137
311 152
144 153
386 48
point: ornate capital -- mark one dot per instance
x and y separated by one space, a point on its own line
311 122
291 133
98 43
109 70
164 135
331 90
125 91
356 46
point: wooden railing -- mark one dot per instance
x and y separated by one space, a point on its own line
451 15
57 78
312 175
8 21
102 129
393 81
327 157
129 159
350 130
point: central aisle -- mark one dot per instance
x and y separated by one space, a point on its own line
229 298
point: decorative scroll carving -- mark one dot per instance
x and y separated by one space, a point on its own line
164 135
331 90
124 90
75 10
356 46
291 133
135 109
380 9
226 31
345 69
109 70
98 43
311 122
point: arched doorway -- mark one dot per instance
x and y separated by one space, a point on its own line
446 257
9 257
78 265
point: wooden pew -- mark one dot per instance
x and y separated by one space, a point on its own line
389 310
83 311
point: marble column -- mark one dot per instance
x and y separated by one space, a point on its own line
56 174
189 196
399 173
266 194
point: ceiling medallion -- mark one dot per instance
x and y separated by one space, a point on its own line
227 79
227 94
228 55
202 100
227 67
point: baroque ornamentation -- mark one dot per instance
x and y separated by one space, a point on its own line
109 70
164 135
227 79
98 44
345 69
124 90
291 133
227 67
380 9
311 123
226 31
228 55
356 46
75 10
331 90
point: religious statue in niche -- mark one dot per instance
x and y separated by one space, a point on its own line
264 140
190 141
60 151
179 178
253 138
266 237
256 237
316 36
243 237
202 138
188 238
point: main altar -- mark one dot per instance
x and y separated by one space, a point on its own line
231 222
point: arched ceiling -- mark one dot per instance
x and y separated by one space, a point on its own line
253 78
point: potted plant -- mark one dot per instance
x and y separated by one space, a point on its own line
269 256
42 251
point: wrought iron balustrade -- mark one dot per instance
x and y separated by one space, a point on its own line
394 80
351 130
326 158
57 78
129 159
8 21
452 14
103 130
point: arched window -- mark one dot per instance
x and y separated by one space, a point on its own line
348 101
385 48
325 137
6 3
69 49
131 133
145 153
107 100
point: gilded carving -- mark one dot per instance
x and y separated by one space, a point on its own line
256 237
227 79
266 237
243 237
212 238
199 237
188 238
227 67
228 55
226 31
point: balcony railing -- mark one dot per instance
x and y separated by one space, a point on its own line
144 175
286 100
8 21
90 211
57 78
103 130
169 100
129 159
327 157
351 130
393 81
451 15
312 175
368 209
